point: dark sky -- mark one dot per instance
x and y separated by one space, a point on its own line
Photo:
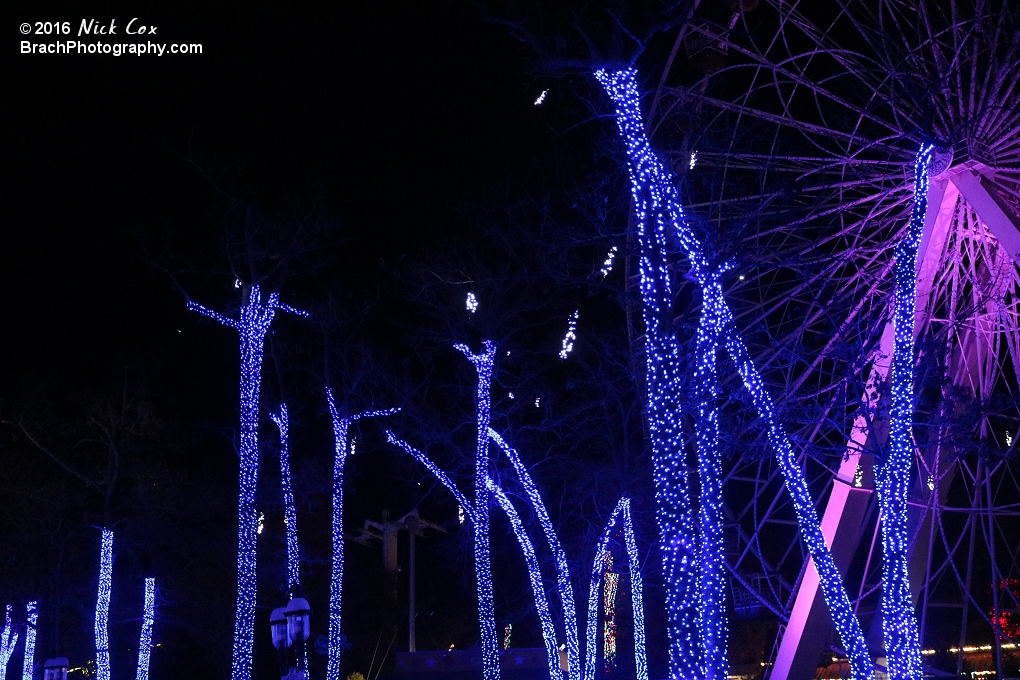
393 113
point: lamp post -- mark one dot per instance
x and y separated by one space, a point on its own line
291 628
56 669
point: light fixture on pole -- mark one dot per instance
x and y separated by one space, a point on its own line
56 669
291 628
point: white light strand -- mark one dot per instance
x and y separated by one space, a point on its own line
252 328
694 159
471 304
145 637
8 639
32 619
656 202
622 509
607 265
341 428
541 97
527 548
568 339
103 606
289 512
563 582
892 476
483 363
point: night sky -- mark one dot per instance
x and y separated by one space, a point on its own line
393 114
395 120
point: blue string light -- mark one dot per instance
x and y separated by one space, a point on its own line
28 662
103 606
892 475
713 630
656 201
535 577
145 637
563 583
652 193
341 429
8 639
483 363
527 547
622 509
289 513
252 327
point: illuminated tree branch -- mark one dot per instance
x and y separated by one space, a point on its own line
527 547
32 619
892 475
622 509
145 637
289 513
563 585
483 363
657 208
8 639
103 606
252 328
341 428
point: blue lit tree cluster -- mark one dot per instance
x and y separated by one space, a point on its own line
252 327
341 448
474 510
661 225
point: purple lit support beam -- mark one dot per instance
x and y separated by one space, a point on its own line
806 630
341 445
252 328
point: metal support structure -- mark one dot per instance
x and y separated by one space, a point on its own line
842 518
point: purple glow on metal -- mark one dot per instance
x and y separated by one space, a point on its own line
483 364
636 589
563 583
341 429
892 476
289 513
655 198
145 637
252 328
103 606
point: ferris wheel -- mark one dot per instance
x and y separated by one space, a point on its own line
808 117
